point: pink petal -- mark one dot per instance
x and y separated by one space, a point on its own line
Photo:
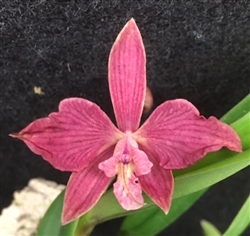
178 136
109 166
141 162
127 77
84 189
128 191
158 184
73 137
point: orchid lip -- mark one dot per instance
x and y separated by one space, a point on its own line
127 162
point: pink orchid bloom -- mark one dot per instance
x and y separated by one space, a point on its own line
81 138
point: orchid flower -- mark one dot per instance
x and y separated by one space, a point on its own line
82 139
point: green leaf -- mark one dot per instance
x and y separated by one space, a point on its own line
68 229
241 221
242 126
239 224
209 229
152 221
51 222
237 111
106 208
211 174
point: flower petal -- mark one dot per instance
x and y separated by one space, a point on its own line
127 77
178 136
109 166
158 184
127 162
84 189
141 162
128 191
73 137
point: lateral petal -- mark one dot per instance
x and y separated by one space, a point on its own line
84 189
158 184
127 77
142 164
71 138
178 136
109 166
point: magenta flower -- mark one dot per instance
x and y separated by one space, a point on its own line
81 138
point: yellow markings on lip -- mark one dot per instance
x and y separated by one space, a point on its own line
125 171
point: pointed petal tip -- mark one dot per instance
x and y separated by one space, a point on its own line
237 146
128 29
132 19
64 220
131 22
15 135
166 211
232 139
67 218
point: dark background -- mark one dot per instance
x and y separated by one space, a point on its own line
198 50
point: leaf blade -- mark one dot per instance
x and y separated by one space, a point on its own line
209 175
237 111
241 221
209 229
51 222
153 220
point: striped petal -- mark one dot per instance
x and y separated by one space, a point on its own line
84 189
178 136
158 184
73 137
127 77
